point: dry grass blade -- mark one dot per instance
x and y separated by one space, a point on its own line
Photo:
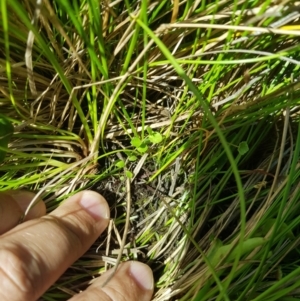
54 180
126 230
29 45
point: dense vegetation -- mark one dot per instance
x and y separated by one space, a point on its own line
183 114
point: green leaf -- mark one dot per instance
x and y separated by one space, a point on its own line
247 246
136 141
149 130
143 148
129 174
120 164
243 148
132 158
156 137
6 131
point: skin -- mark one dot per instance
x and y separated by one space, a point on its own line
34 254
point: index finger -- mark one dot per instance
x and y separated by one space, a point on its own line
13 205
33 255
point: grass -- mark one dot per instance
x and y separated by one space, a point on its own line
195 105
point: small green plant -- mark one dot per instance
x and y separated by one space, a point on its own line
120 164
243 148
142 146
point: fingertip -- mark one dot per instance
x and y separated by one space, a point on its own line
87 211
94 204
142 275
132 280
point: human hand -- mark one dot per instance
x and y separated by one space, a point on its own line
34 254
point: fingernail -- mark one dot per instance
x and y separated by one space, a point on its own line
95 205
142 275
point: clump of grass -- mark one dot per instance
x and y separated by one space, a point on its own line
187 109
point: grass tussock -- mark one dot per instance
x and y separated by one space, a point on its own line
184 115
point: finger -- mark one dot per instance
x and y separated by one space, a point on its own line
34 254
133 281
13 205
